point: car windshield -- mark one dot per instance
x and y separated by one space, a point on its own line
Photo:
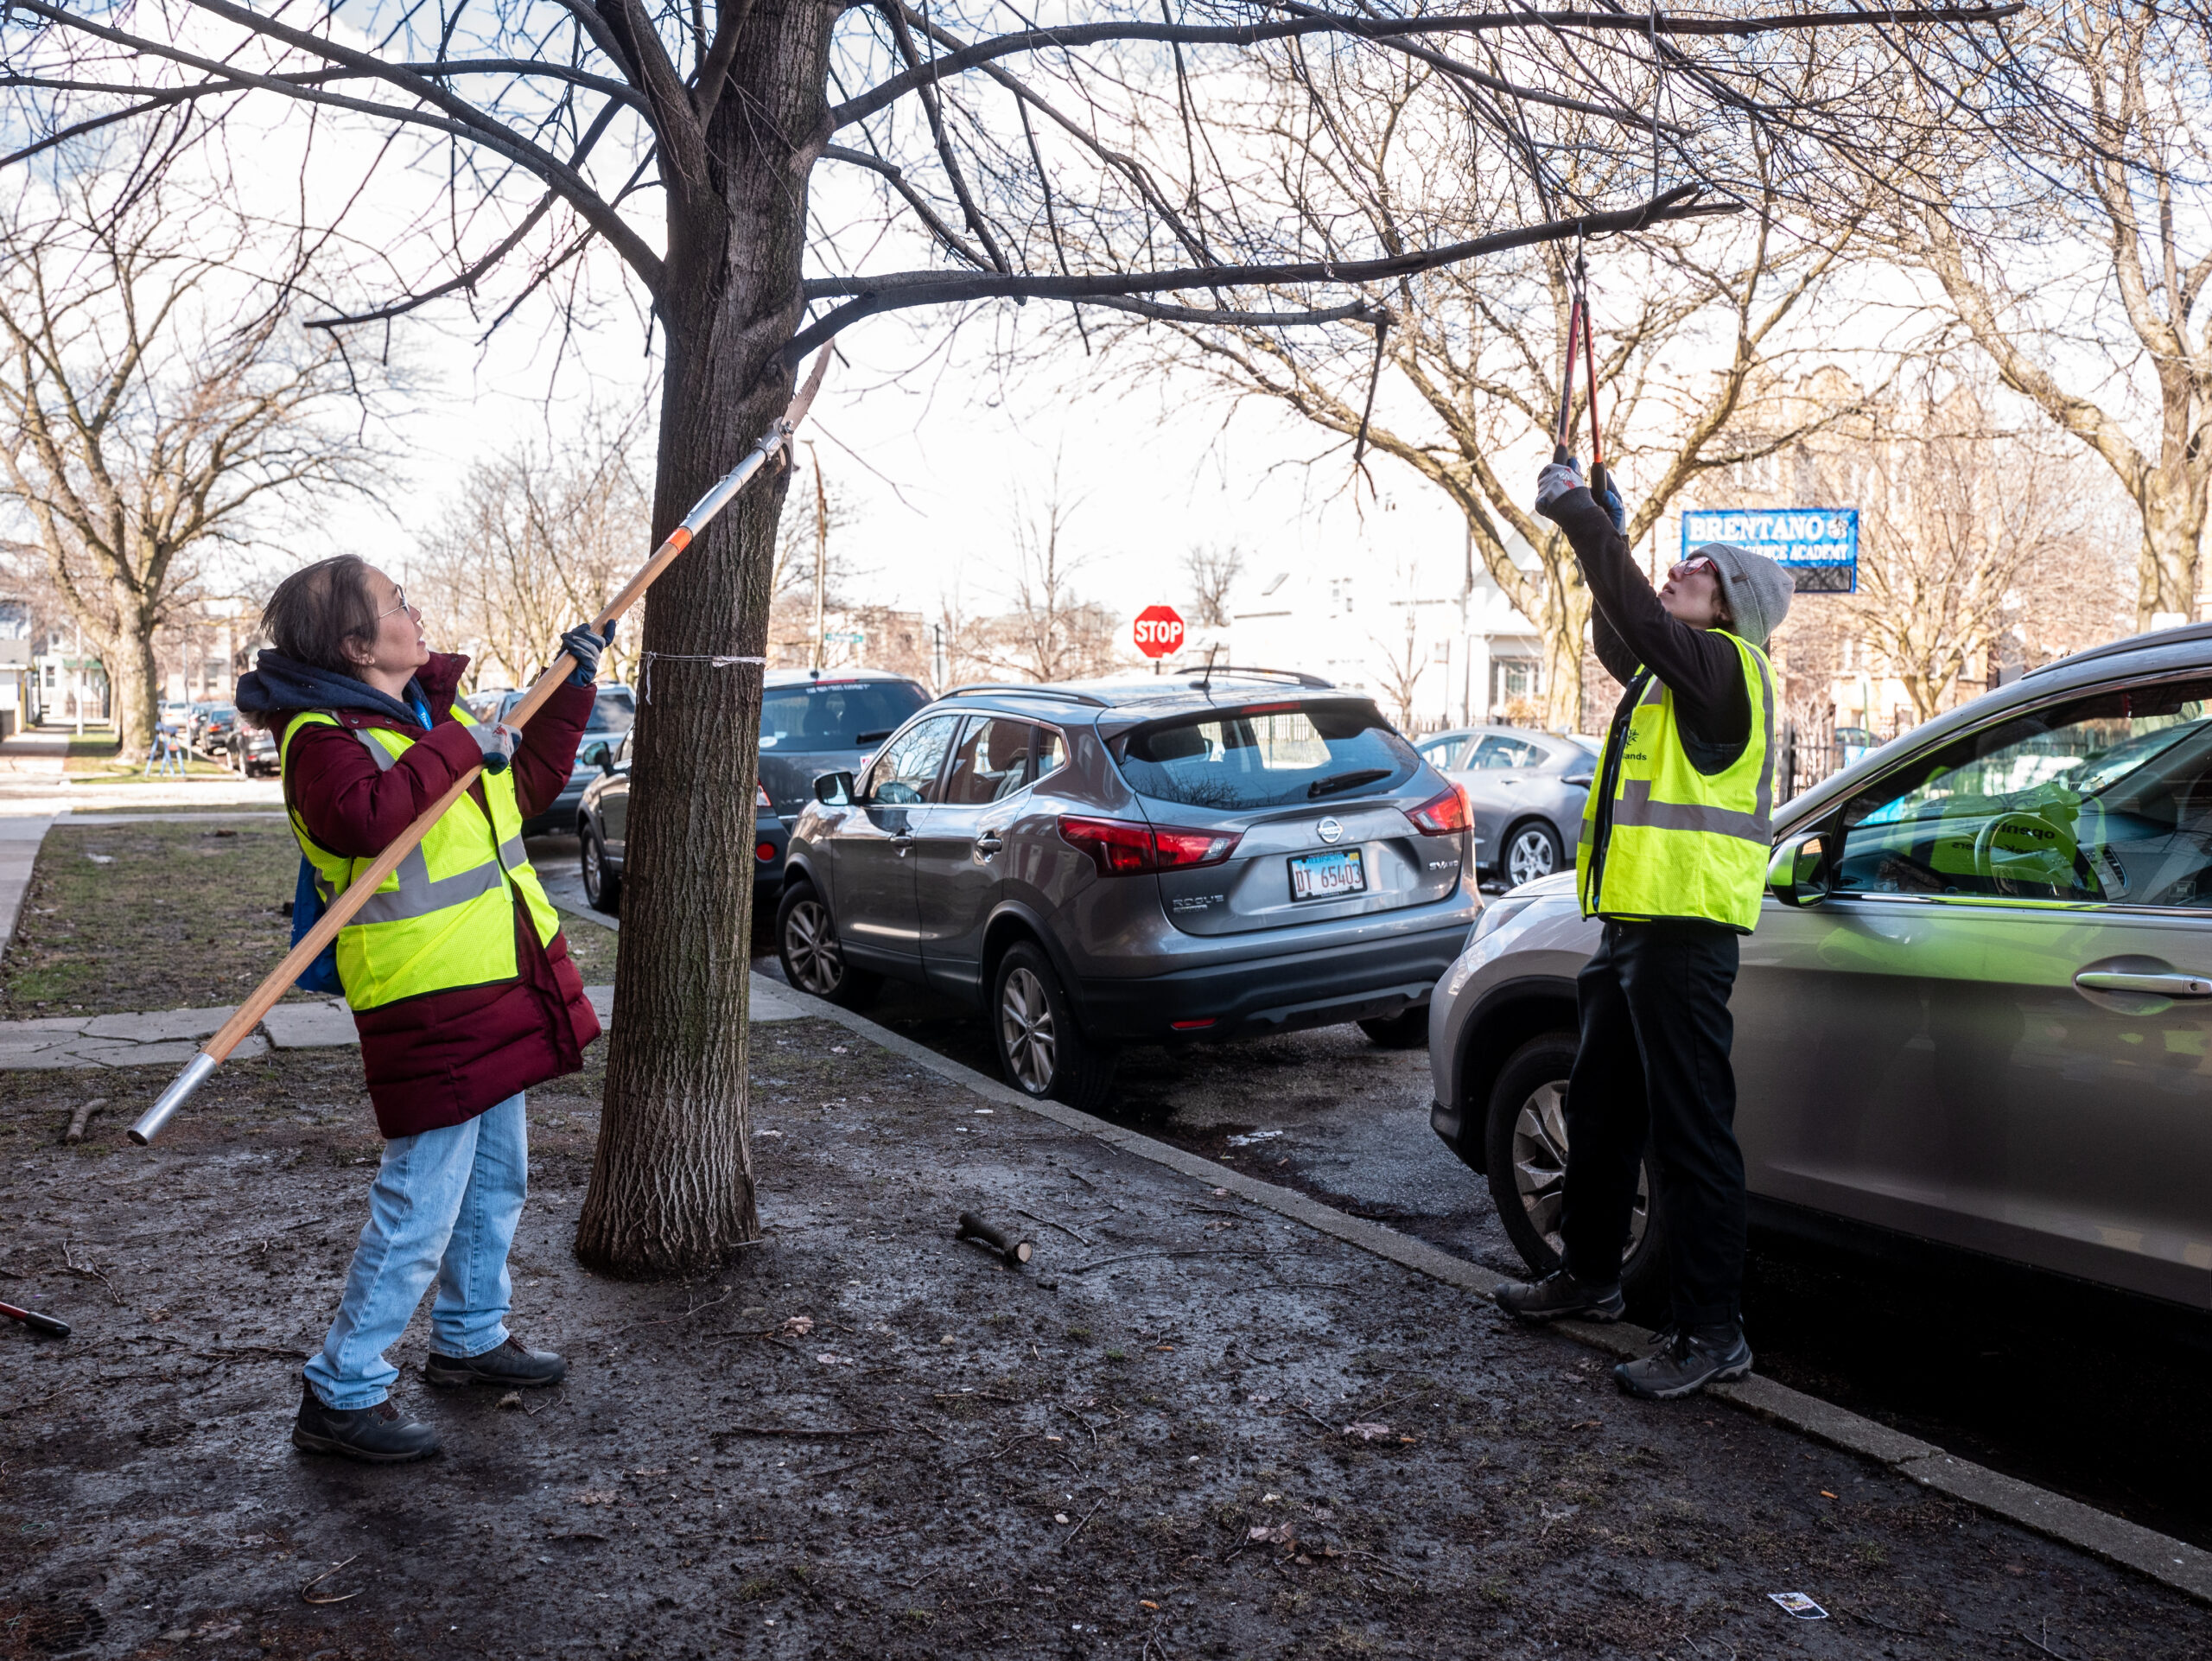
614 711
835 714
2101 799
1267 756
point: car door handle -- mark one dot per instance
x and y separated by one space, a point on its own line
988 843
2165 986
902 840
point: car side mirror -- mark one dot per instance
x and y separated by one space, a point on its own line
1798 873
596 754
834 789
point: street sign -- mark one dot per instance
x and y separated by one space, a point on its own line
1818 546
851 637
1159 631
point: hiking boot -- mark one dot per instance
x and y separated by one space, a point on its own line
1686 1362
513 1365
386 1434
1560 1297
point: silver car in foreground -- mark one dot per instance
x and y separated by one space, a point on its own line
1163 860
1977 1010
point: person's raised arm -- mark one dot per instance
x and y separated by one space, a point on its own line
1703 670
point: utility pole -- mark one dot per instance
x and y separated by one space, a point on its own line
821 548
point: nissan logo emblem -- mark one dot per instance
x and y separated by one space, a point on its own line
1330 830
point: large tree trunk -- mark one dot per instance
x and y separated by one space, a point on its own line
671 1190
2173 527
134 680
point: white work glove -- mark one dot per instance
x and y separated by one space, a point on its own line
498 744
1557 479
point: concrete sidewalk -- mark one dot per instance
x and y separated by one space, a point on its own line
172 1037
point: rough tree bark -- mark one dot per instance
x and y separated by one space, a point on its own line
672 1185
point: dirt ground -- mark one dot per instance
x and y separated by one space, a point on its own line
864 1438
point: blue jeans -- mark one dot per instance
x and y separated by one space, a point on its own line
444 1206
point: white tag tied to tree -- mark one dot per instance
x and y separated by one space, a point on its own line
707 658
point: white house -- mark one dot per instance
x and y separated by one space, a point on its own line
1435 643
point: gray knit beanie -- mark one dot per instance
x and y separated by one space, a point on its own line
1756 590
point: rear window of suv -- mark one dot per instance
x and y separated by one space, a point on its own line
1266 756
836 715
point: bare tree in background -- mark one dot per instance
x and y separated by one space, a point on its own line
1971 530
1078 162
1464 386
1051 632
1213 571
156 410
536 541
2081 266
1402 664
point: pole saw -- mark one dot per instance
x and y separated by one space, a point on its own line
342 907
1578 324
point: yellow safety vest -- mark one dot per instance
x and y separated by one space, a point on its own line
445 917
1681 844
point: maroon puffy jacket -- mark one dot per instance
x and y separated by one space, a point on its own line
442 1058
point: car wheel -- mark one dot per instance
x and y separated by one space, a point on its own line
1526 1129
1042 1050
1407 1030
1532 850
602 887
813 959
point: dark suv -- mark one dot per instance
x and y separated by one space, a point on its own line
1154 860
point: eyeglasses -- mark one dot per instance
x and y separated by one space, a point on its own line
400 595
1692 565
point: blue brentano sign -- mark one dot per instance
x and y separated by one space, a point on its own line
1818 545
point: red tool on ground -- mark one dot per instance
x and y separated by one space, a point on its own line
36 1321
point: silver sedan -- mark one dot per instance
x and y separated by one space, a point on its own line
1525 791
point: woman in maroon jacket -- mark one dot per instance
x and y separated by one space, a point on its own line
362 711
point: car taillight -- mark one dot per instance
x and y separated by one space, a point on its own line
760 801
764 851
1121 849
1441 816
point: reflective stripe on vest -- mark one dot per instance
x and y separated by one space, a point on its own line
1681 844
443 918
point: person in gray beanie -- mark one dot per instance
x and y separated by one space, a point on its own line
1673 859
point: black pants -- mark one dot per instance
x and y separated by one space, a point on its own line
1653 1062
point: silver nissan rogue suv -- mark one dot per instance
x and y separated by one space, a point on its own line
1159 859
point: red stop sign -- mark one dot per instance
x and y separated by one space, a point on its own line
1159 631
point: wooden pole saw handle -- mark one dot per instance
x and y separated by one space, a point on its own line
341 910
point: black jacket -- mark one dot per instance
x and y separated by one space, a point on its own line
1703 671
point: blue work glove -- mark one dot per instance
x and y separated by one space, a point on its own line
585 646
1616 509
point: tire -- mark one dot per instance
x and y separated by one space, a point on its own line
1042 1048
602 887
1525 1131
813 959
1531 848
1407 1030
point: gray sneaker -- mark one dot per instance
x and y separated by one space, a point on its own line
1684 1363
1558 1296
386 1434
